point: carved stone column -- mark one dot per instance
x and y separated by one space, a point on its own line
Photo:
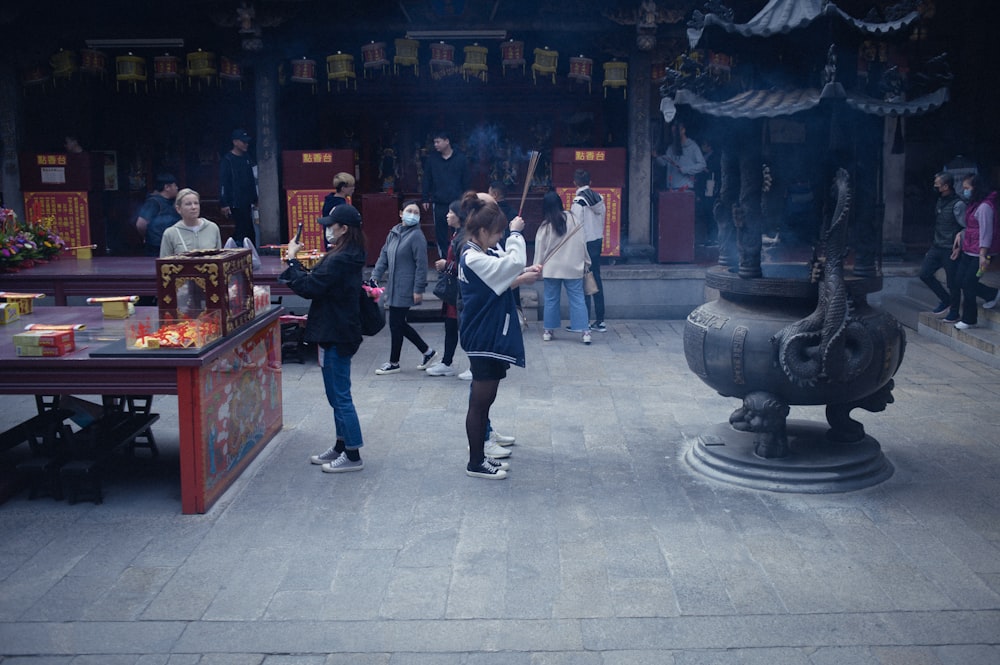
893 177
269 194
639 246
11 123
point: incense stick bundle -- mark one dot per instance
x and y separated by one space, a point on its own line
55 326
96 301
528 177
70 249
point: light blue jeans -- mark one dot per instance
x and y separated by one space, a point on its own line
337 381
577 305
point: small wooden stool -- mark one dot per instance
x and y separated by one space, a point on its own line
81 477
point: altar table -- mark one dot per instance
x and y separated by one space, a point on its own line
228 393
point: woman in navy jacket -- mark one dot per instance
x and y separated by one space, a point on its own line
334 323
489 328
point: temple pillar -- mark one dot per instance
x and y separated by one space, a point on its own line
639 246
893 184
268 183
11 123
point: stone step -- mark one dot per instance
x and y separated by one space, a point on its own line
907 308
981 343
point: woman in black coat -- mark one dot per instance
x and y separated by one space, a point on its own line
334 287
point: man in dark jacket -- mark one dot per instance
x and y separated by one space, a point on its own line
158 213
446 178
949 219
238 187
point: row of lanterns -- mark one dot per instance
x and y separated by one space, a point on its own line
340 67
204 68
133 71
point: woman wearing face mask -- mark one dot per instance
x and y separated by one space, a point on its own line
334 287
972 250
404 259
192 231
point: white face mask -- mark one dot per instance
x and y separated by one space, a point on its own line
330 237
411 218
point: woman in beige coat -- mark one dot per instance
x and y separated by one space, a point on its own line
562 266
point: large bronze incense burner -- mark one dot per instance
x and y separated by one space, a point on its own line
795 328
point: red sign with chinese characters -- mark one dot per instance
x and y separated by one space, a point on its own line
306 206
612 243
71 211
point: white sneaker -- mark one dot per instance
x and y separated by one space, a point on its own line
990 304
502 440
962 325
440 369
547 336
586 337
466 375
493 450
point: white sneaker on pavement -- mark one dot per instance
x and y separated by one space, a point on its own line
502 440
440 369
466 375
493 450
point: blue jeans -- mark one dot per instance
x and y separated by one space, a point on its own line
337 381
577 306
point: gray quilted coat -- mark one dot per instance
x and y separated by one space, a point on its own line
404 259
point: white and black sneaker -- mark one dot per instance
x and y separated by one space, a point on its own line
328 456
496 464
428 357
485 470
388 368
343 464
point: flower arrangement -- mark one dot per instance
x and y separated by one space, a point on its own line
23 243
47 242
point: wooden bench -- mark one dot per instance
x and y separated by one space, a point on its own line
94 445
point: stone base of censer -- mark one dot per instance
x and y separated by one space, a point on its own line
815 464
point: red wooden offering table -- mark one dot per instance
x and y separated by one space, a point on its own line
112 276
228 393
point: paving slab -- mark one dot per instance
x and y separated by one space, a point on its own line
601 548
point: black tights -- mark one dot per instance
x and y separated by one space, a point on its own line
481 398
450 340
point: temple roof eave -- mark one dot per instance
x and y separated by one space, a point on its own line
784 16
754 104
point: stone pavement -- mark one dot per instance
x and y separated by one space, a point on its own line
601 548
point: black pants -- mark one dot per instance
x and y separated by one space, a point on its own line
935 259
398 329
243 219
968 288
594 251
442 232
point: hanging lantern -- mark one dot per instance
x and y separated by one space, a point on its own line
373 56
475 62
442 60
63 65
581 69
512 55
231 70
167 69
406 55
201 67
93 62
616 76
131 70
304 71
340 68
546 62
